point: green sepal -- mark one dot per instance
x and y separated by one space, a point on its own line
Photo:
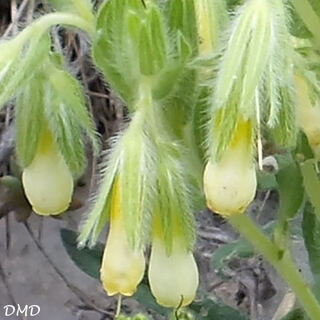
234 56
67 116
100 211
173 204
29 118
286 130
221 128
136 181
20 64
257 57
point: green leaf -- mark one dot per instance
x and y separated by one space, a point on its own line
311 235
297 314
291 190
208 309
144 297
87 260
12 183
266 180
29 120
316 6
297 27
240 248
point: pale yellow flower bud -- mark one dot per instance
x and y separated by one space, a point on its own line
122 267
230 184
173 278
47 181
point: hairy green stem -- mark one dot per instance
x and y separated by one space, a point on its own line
309 18
281 260
41 25
311 183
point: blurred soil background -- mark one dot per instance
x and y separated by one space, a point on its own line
34 266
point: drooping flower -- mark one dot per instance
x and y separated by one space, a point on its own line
173 275
47 181
230 183
122 267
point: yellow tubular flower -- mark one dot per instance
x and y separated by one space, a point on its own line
308 116
173 278
230 184
47 181
122 268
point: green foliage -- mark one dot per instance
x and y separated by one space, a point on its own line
311 234
266 180
297 314
87 260
291 190
144 296
208 309
240 248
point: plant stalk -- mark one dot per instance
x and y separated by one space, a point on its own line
281 260
41 25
